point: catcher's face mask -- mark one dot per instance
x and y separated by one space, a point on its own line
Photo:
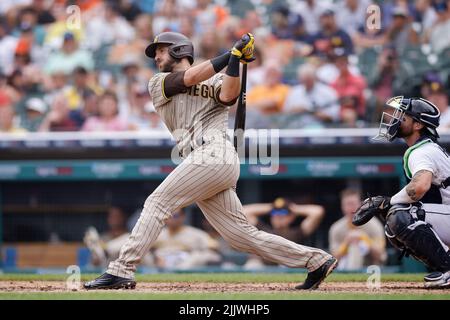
390 122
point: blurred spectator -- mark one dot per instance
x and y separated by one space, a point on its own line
288 25
365 36
209 47
106 247
143 115
56 30
433 90
8 46
350 89
268 97
314 104
383 79
438 33
128 9
108 27
58 118
180 246
78 89
255 73
424 14
69 57
89 109
356 247
331 36
8 119
167 17
351 14
311 10
400 33
28 21
282 216
34 114
209 16
108 118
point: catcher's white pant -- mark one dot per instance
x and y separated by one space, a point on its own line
208 177
438 216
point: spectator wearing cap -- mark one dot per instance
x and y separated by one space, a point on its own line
288 25
331 36
351 14
311 103
34 114
69 57
433 89
81 86
400 33
438 34
350 89
8 119
108 118
281 218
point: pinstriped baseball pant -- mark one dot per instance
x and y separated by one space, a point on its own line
208 177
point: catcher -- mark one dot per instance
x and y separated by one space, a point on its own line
417 218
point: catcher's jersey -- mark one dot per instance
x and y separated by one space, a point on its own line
191 115
428 155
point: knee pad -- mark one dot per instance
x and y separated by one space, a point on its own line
398 219
417 237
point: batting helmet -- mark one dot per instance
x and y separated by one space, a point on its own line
419 109
179 46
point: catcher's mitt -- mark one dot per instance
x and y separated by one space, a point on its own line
369 208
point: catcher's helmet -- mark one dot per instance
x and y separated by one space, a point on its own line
179 46
419 109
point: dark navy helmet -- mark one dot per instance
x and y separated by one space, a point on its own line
419 109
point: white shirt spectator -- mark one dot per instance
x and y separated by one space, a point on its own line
350 20
320 98
439 39
7 48
311 15
100 32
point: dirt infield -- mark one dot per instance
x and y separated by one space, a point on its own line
207 287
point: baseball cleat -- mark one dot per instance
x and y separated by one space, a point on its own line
315 278
108 281
437 280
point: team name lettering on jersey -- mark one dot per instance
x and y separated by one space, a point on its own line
202 90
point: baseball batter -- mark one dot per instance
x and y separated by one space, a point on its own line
417 218
193 102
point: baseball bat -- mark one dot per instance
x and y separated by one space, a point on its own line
239 120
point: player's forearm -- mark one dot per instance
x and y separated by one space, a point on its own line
205 70
231 84
415 190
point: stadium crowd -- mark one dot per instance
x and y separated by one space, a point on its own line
328 63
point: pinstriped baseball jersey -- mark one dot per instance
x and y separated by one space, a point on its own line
206 176
191 115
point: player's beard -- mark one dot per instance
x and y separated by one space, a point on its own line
404 132
169 65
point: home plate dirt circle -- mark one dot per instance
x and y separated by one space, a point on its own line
209 287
